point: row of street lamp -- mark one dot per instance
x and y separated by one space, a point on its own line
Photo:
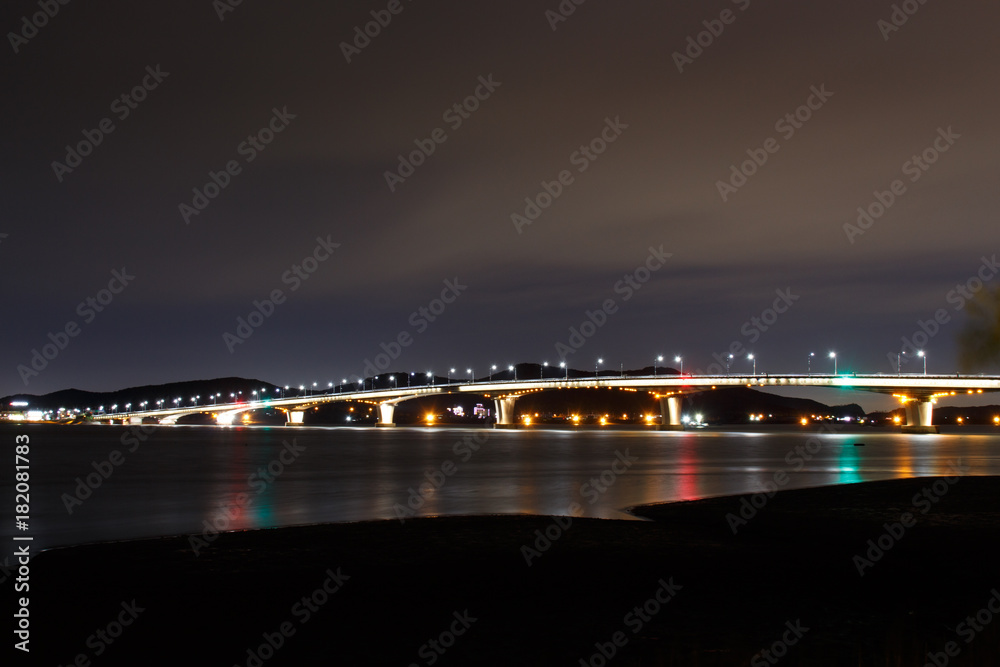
259 394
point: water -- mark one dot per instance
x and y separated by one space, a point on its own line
181 476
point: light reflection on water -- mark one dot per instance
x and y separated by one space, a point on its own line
182 477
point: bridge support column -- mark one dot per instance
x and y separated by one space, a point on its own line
920 417
505 412
295 417
385 412
670 408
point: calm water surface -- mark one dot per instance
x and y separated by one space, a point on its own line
181 476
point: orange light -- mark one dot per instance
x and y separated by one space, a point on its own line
429 418
897 420
960 420
996 420
803 421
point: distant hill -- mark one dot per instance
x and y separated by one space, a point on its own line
77 398
734 406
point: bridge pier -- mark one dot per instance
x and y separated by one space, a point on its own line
505 412
295 417
385 412
920 417
134 420
670 408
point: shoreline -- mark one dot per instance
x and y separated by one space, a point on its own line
554 590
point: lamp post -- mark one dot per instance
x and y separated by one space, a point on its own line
430 378
514 369
596 366
472 376
729 360
899 364
679 360
833 355
450 371
752 358
562 364
924 357
492 368
659 358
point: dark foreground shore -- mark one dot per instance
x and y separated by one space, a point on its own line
679 589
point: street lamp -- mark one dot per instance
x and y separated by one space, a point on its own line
562 364
431 376
681 362
923 356
752 358
809 363
450 371
659 358
596 365
541 370
513 368
833 355
472 376
729 360
492 368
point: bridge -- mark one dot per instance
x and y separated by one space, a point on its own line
917 393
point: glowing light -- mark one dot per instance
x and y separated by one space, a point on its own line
961 420
603 421
996 421
576 418
804 421
429 418
527 421
897 420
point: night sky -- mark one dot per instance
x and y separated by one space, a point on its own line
623 132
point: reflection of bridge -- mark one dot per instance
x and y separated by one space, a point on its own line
918 393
